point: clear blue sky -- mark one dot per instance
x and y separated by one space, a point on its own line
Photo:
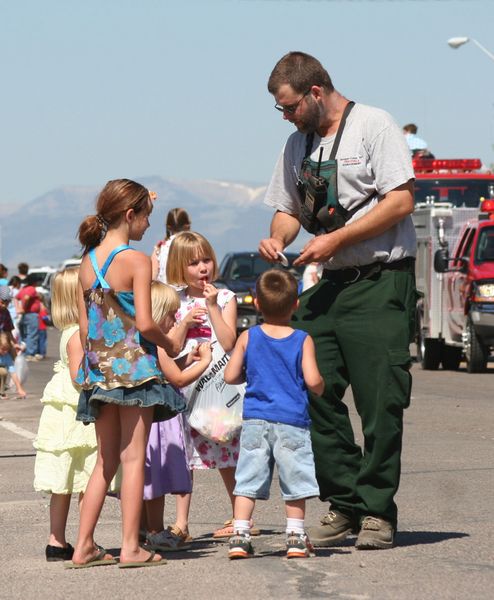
97 89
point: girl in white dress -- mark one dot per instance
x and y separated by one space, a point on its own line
204 309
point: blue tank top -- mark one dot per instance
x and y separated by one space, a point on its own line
276 389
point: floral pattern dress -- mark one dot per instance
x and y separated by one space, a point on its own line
202 452
119 366
116 355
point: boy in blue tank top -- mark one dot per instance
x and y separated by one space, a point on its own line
279 364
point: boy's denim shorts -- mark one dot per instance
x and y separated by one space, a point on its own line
264 444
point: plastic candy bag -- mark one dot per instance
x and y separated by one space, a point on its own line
21 368
214 407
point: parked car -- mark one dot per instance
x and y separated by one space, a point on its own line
70 262
238 273
45 287
40 273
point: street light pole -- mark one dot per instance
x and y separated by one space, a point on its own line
456 42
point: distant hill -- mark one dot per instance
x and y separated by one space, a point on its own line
43 231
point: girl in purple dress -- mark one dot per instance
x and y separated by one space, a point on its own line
167 470
171 434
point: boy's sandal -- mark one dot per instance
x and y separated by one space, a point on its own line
183 535
149 562
98 560
227 530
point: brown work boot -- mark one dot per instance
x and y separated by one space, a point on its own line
334 528
375 534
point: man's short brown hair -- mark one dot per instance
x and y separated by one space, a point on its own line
301 71
276 292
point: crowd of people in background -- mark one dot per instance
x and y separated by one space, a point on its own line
23 324
28 311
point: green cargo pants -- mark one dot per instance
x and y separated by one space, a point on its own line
362 333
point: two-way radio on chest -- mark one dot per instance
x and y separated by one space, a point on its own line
321 211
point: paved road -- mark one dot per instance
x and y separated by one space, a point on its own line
444 547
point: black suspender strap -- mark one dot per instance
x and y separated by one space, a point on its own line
341 126
309 139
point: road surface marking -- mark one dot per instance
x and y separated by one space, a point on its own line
17 430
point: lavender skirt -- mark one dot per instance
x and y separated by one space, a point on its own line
166 470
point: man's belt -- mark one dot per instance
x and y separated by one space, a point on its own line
354 274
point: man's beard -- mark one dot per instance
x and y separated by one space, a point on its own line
311 119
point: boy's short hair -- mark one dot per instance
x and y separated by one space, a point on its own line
31 279
276 292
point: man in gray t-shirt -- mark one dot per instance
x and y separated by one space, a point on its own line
346 176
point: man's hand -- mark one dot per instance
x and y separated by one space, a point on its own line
269 249
319 249
284 229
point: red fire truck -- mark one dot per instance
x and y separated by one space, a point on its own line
455 263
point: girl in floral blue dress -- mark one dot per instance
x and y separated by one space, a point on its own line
123 386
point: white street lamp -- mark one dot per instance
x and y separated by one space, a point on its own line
456 42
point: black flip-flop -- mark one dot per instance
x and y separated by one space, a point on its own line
56 553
